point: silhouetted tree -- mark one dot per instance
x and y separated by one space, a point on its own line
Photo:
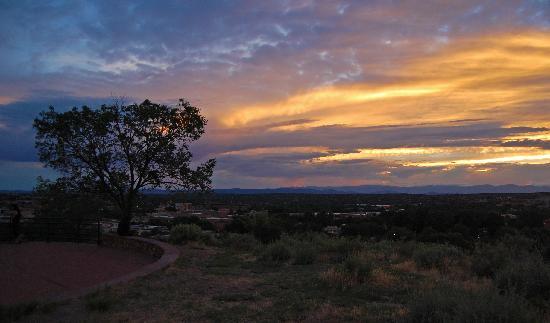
120 150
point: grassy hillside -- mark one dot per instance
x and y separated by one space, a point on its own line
313 278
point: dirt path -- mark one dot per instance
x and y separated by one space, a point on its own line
36 269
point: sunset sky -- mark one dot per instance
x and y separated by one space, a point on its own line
298 93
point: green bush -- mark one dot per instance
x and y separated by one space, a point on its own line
305 255
435 256
528 276
185 232
447 304
277 253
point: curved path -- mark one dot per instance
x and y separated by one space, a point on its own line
56 270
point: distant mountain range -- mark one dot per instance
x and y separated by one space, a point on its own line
372 189
383 189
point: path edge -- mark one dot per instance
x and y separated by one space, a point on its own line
169 255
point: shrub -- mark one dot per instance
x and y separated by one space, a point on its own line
365 229
245 242
403 249
529 277
488 259
400 233
17 311
353 271
305 255
489 306
447 304
546 254
346 246
265 230
435 256
239 224
209 239
453 238
435 306
323 242
358 267
185 232
518 243
203 224
407 248
336 277
99 302
277 253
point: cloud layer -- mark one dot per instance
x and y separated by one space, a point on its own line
300 92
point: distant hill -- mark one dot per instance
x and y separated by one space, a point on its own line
383 189
368 189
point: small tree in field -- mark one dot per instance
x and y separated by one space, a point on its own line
120 150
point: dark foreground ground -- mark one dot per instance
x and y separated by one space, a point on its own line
321 280
35 269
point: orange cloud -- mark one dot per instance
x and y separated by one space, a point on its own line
486 77
501 78
446 156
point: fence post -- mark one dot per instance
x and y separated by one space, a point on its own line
98 230
48 230
78 232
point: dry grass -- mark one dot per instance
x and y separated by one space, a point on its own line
457 272
209 284
336 277
381 278
407 266
326 313
325 258
476 284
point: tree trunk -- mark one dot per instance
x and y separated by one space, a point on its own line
127 213
124 224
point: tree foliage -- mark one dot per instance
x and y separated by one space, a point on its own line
120 150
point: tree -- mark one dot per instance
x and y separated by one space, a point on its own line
119 150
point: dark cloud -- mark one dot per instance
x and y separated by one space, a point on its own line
345 138
544 144
16 132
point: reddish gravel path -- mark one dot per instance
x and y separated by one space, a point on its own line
36 269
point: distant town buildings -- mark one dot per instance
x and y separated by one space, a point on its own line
509 216
156 222
332 230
